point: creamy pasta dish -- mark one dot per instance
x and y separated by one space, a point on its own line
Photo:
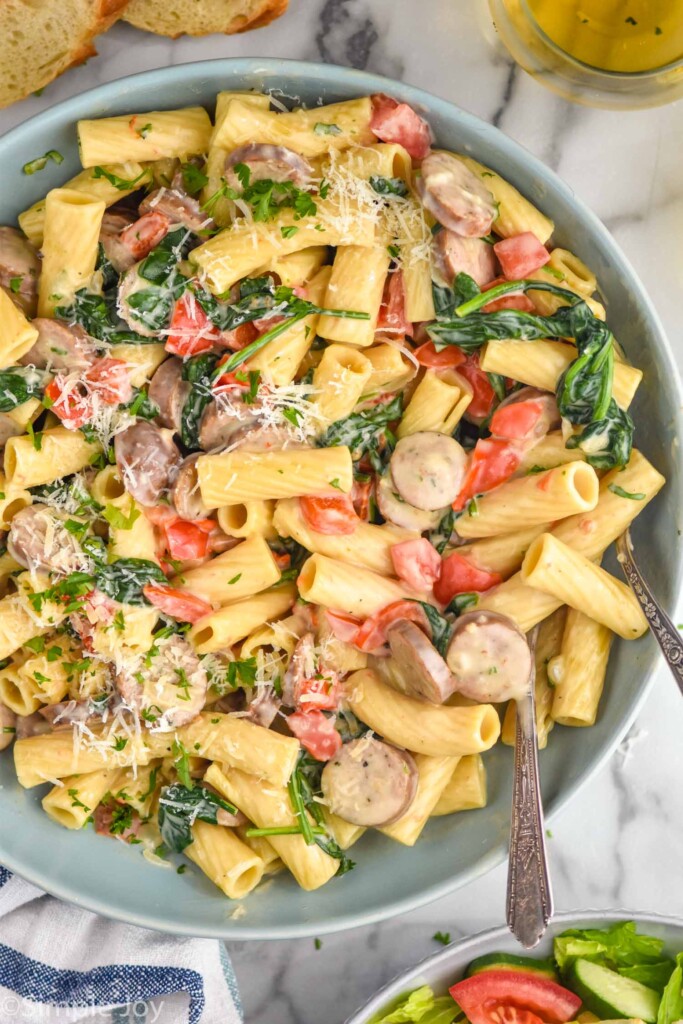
307 425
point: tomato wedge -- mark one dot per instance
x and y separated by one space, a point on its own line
392 121
372 634
110 380
517 420
69 402
492 462
458 576
344 627
392 312
520 255
417 563
449 357
316 733
483 395
188 539
191 331
483 995
176 603
320 691
334 515
361 496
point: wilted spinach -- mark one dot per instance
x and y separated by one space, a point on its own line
180 807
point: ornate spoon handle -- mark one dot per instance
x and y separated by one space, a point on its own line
529 896
663 629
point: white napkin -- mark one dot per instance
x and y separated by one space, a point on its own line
60 964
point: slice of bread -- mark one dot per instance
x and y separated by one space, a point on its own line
201 17
42 38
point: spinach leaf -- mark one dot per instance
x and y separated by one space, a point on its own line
124 579
388 186
362 431
608 442
141 406
304 793
97 315
18 384
199 371
440 537
447 299
180 807
461 602
440 626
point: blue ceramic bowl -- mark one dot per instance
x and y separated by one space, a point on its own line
115 880
443 969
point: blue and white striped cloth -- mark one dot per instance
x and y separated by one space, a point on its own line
60 964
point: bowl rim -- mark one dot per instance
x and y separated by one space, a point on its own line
480 942
365 83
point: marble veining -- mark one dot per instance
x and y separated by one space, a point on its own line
618 843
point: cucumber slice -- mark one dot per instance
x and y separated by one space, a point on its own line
510 962
611 996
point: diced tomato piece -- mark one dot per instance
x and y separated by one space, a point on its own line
110 380
142 235
239 337
317 734
333 515
180 605
417 563
520 255
191 330
483 394
517 420
361 495
392 312
372 634
283 559
188 539
71 403
392 121
320 691
492 462
449 357
458 576
480 996
521 302
343 626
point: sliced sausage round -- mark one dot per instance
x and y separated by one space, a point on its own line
8 726
428 469
416 666
169 392
369 782
179 208
31 725
147 460
401 513
277 163
263 705
455 255
172 688
456 196
489 657
186 497
222 424
19 268
117 252
38 539
71 712
60 346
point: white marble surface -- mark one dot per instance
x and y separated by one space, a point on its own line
619 843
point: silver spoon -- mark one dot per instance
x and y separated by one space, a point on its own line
529 895
661 626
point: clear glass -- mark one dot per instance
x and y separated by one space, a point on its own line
617 47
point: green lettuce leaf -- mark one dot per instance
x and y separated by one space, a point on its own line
671 1006
616 947
421 1007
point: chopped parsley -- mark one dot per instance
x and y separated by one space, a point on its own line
621 493
41 161
122 184
322 128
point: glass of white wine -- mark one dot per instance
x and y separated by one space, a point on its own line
604 53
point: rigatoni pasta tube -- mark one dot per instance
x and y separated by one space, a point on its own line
32 221
437 404
384 160
269 807
72 802
251 518
433 774
16 692
18 623
142 360
296 129
17 335
263 849
339 380
12 500
466 788
554 568
240 572
72 230
540 364
437 730
61 453
357 282
549 452
369 545
236 621
235 477
40 759
298 267
231 865
577 672
547 646
502 554
391 371
515 213
527 500
343 832
151 136
348 588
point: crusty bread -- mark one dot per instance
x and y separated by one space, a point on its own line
202 17
42 38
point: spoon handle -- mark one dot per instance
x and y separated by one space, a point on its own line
663 629
529 896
